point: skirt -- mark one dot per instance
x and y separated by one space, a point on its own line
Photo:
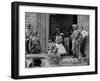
61 49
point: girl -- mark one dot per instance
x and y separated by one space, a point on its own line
34 44
34 47
59 45
53 56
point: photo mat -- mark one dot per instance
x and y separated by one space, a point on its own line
43 12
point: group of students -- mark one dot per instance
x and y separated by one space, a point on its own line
55 50
77 38
60 45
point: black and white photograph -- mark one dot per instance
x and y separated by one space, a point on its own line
53 40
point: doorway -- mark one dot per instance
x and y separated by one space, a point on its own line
61 21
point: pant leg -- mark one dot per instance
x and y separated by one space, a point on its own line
66 44
83 46
70 47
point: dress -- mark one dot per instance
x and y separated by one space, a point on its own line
59 45
61 49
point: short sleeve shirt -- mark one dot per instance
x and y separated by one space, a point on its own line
84 33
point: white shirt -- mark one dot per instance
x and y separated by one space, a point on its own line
84 33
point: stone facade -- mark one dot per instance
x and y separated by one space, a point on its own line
84 21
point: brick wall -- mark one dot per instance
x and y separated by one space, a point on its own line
84 20
39 23
31 18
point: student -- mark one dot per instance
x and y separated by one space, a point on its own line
34 47
34 44
66 41
28 33
84 40
76 39
53 56
59 45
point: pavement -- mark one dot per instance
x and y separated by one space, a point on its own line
69 61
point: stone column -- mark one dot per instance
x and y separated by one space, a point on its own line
43 26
